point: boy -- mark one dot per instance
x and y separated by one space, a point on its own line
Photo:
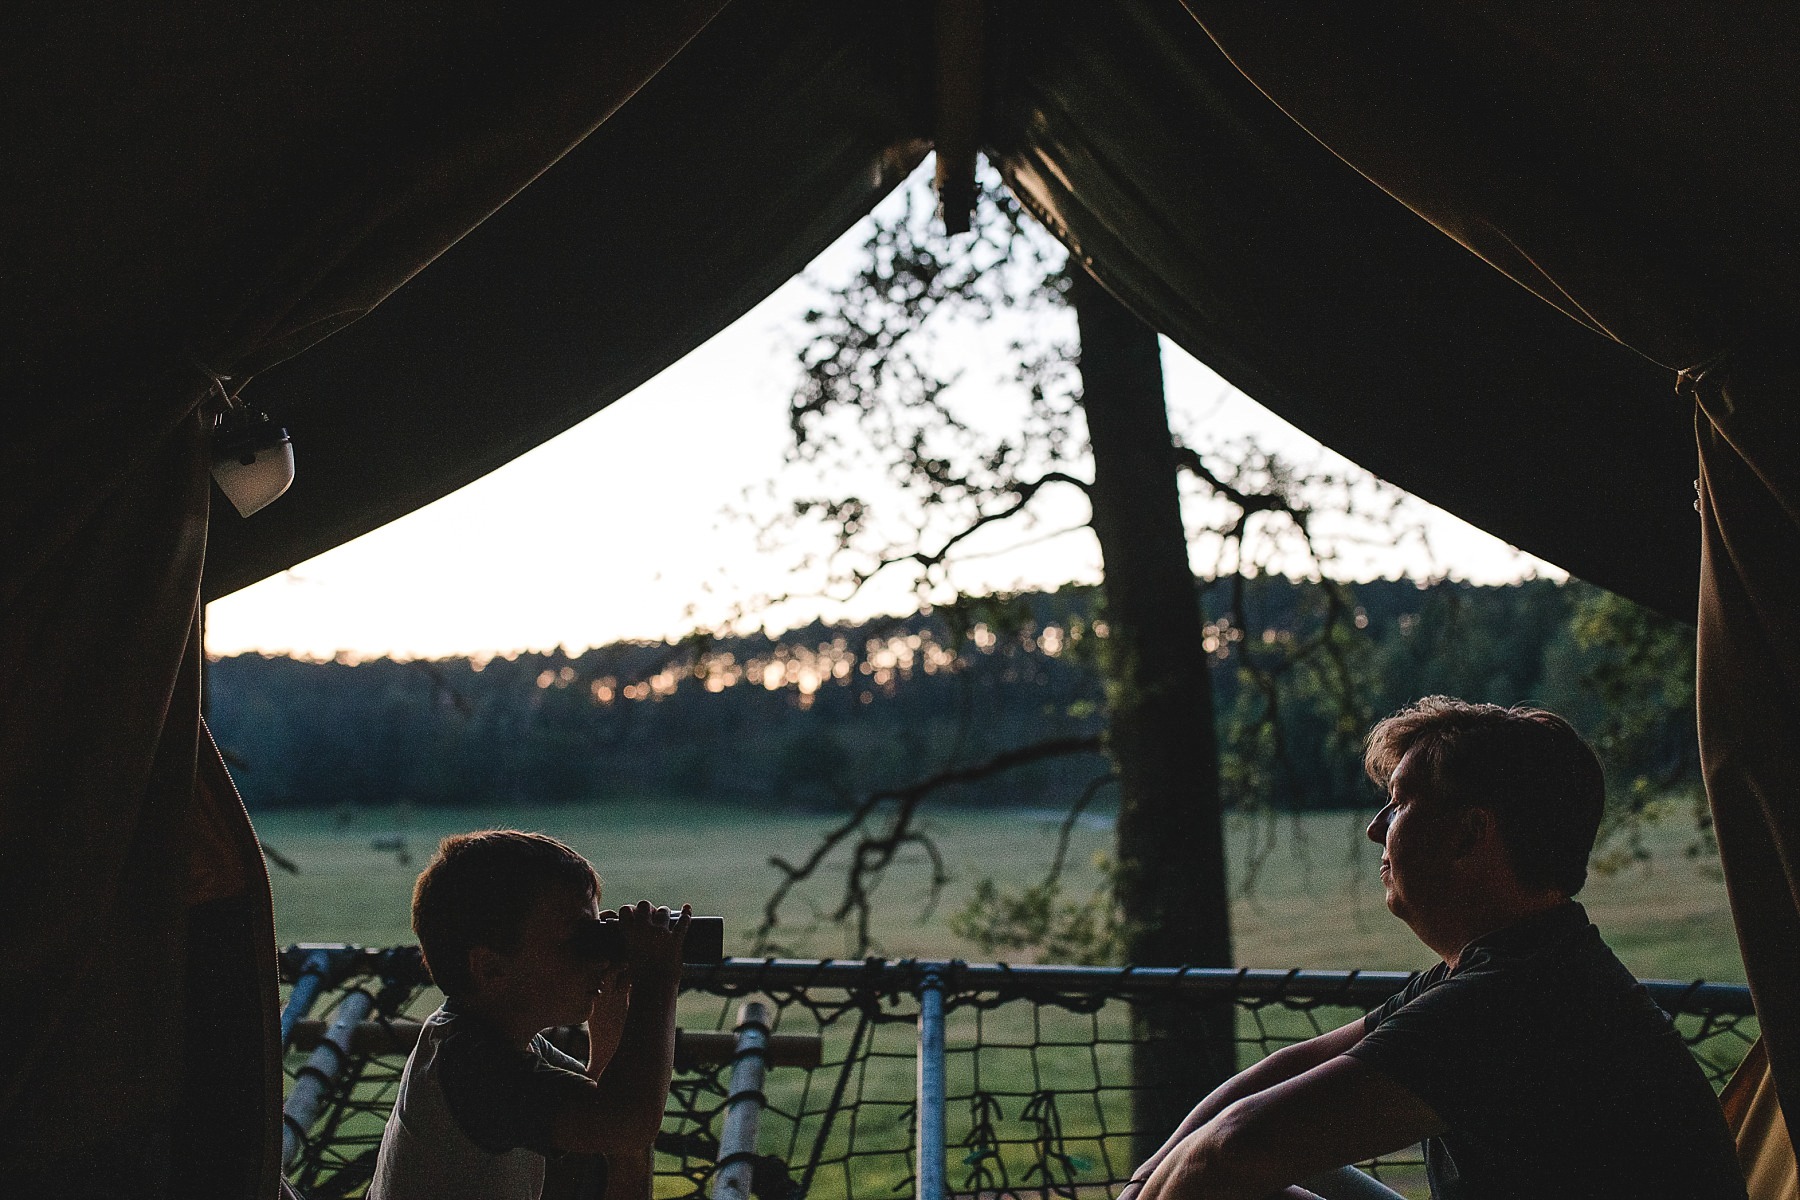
485 1098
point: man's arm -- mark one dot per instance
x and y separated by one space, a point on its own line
1340 1111
1276 1068
621 1113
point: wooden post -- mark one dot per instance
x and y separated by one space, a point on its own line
957 37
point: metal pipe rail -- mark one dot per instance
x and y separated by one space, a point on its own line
933 1170
903 976
318 1078
1350 988
743 1105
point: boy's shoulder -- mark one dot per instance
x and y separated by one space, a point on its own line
501 1097
444 1139
474 1114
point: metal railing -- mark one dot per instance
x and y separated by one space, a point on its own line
935 1078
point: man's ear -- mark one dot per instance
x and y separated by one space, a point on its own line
1478 829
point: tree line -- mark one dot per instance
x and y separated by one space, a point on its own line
822 714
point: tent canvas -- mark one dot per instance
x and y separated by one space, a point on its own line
227 191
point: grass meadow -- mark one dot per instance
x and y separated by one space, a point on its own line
1314 902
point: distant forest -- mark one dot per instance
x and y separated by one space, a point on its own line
818 716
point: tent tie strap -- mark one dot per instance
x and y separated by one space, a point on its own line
1689 379
1773 336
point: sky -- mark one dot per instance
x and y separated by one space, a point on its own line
622 527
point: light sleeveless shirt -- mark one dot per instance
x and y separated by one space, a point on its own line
473 1115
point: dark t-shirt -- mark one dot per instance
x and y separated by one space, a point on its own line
1556 1073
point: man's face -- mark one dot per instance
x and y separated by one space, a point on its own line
546 976
1417 831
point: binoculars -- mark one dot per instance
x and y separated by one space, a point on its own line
705 942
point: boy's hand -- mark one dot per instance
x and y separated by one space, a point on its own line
653 937
625 1109
606 1019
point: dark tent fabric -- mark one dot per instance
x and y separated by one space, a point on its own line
767 138
210 189
1633 166
215 188
99 727
139 993
1749 678
1243 240
1122 125
1629 163
1753 1111
220 188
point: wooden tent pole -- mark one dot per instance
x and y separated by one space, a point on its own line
958 45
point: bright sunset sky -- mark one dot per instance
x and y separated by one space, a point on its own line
616 529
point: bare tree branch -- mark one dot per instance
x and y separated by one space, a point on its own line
441 687
875 851
1248 504
1067 829
278 858
1023 492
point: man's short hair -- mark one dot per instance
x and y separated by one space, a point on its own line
478 889
1526 765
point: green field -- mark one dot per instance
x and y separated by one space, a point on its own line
1316 901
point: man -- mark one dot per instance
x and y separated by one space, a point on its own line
1529 1061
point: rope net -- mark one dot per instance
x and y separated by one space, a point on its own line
1038 1069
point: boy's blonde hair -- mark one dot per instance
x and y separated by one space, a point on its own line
478 889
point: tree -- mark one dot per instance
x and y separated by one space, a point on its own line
873 393
1169 878
1640 669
